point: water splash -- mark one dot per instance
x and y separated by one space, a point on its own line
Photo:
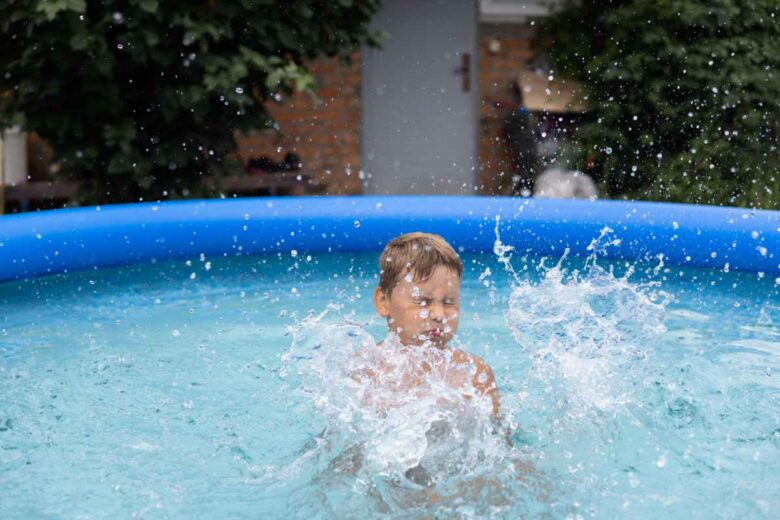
399 437
406 432
585 329
503 252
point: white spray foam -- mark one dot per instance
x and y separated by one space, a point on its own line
391 426
584 329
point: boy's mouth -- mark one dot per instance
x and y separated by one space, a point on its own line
434 333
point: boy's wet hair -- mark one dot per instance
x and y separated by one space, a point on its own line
417 253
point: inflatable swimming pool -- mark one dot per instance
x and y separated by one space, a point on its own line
85 238
192 359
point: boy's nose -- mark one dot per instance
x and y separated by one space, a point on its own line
436 312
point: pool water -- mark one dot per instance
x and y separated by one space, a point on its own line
216 387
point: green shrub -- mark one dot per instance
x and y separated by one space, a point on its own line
141 98
683 96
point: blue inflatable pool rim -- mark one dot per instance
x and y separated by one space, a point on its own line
58 241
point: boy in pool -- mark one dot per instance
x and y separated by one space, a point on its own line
418 294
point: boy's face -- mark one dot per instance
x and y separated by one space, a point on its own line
423 311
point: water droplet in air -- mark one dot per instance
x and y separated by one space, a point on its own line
357 223
175 333
661 462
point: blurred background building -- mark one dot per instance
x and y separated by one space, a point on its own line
429 112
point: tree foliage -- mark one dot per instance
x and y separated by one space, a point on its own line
141 98
684 96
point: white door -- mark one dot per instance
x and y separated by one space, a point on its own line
419 99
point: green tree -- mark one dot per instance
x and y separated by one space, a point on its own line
141 98
683 95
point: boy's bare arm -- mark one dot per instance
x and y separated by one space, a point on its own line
485 383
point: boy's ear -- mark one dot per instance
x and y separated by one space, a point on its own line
381 302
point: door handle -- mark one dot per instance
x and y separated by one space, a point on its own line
465 70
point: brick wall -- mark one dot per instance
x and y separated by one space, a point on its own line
504 49
324 133
327 136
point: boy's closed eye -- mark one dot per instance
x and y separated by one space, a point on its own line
424 302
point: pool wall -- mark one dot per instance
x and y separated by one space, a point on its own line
58 241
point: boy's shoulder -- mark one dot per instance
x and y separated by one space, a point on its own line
481 371
482 377
463 357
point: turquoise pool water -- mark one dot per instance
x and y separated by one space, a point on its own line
213 388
